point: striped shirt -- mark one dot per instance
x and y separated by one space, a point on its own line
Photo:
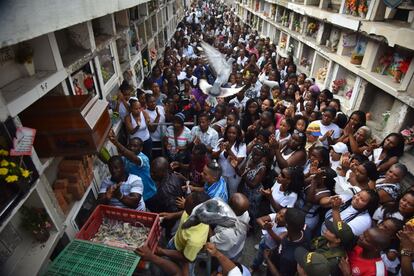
132 185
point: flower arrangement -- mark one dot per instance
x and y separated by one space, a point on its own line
312 28
321 73
338 84
401 69
296 25
385 116
10 172
282 43
408 135
351 7
348 94
37 222
362 8
384 62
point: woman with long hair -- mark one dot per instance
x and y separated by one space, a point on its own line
284 192
402 208
355 211
229 149
388 152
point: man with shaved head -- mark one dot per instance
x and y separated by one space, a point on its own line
168 185
230 241
365 258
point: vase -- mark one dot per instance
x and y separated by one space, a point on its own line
42 235
30 69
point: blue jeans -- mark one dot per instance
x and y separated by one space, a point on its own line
258 260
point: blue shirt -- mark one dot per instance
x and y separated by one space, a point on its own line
217 189
143 171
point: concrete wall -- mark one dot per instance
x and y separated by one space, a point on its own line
25 19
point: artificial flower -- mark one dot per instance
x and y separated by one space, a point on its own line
25 173
4 171
4 152
4 163
13 164
11 178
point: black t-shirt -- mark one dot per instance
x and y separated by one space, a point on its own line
283 256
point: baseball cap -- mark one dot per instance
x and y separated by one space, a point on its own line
314 264
314 129
340 148
341 230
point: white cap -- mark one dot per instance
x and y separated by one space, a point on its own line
340 148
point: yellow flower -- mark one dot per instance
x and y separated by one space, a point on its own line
11 178
25 173
3 171
13 164
4 152
4 163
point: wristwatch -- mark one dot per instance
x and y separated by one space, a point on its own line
406 252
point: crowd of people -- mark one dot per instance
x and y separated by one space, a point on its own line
323 194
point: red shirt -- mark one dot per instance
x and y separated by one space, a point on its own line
365 267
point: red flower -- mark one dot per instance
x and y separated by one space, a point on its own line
404 65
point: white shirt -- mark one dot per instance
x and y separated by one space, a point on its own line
390 265
208 138
284 200
230 240
379 215
188 52
226 167
343 187
241 61
358 224
269 241
156 135
192 79
240 105
324 129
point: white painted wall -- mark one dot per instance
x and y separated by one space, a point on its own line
21 20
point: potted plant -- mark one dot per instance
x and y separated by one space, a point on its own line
13 173
24 55
36 221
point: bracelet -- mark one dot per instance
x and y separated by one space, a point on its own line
406 252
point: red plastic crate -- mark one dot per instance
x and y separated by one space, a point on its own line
150 220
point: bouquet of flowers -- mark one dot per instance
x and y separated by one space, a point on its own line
312 28
11 172
408 135
338 85
362 8
351 7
